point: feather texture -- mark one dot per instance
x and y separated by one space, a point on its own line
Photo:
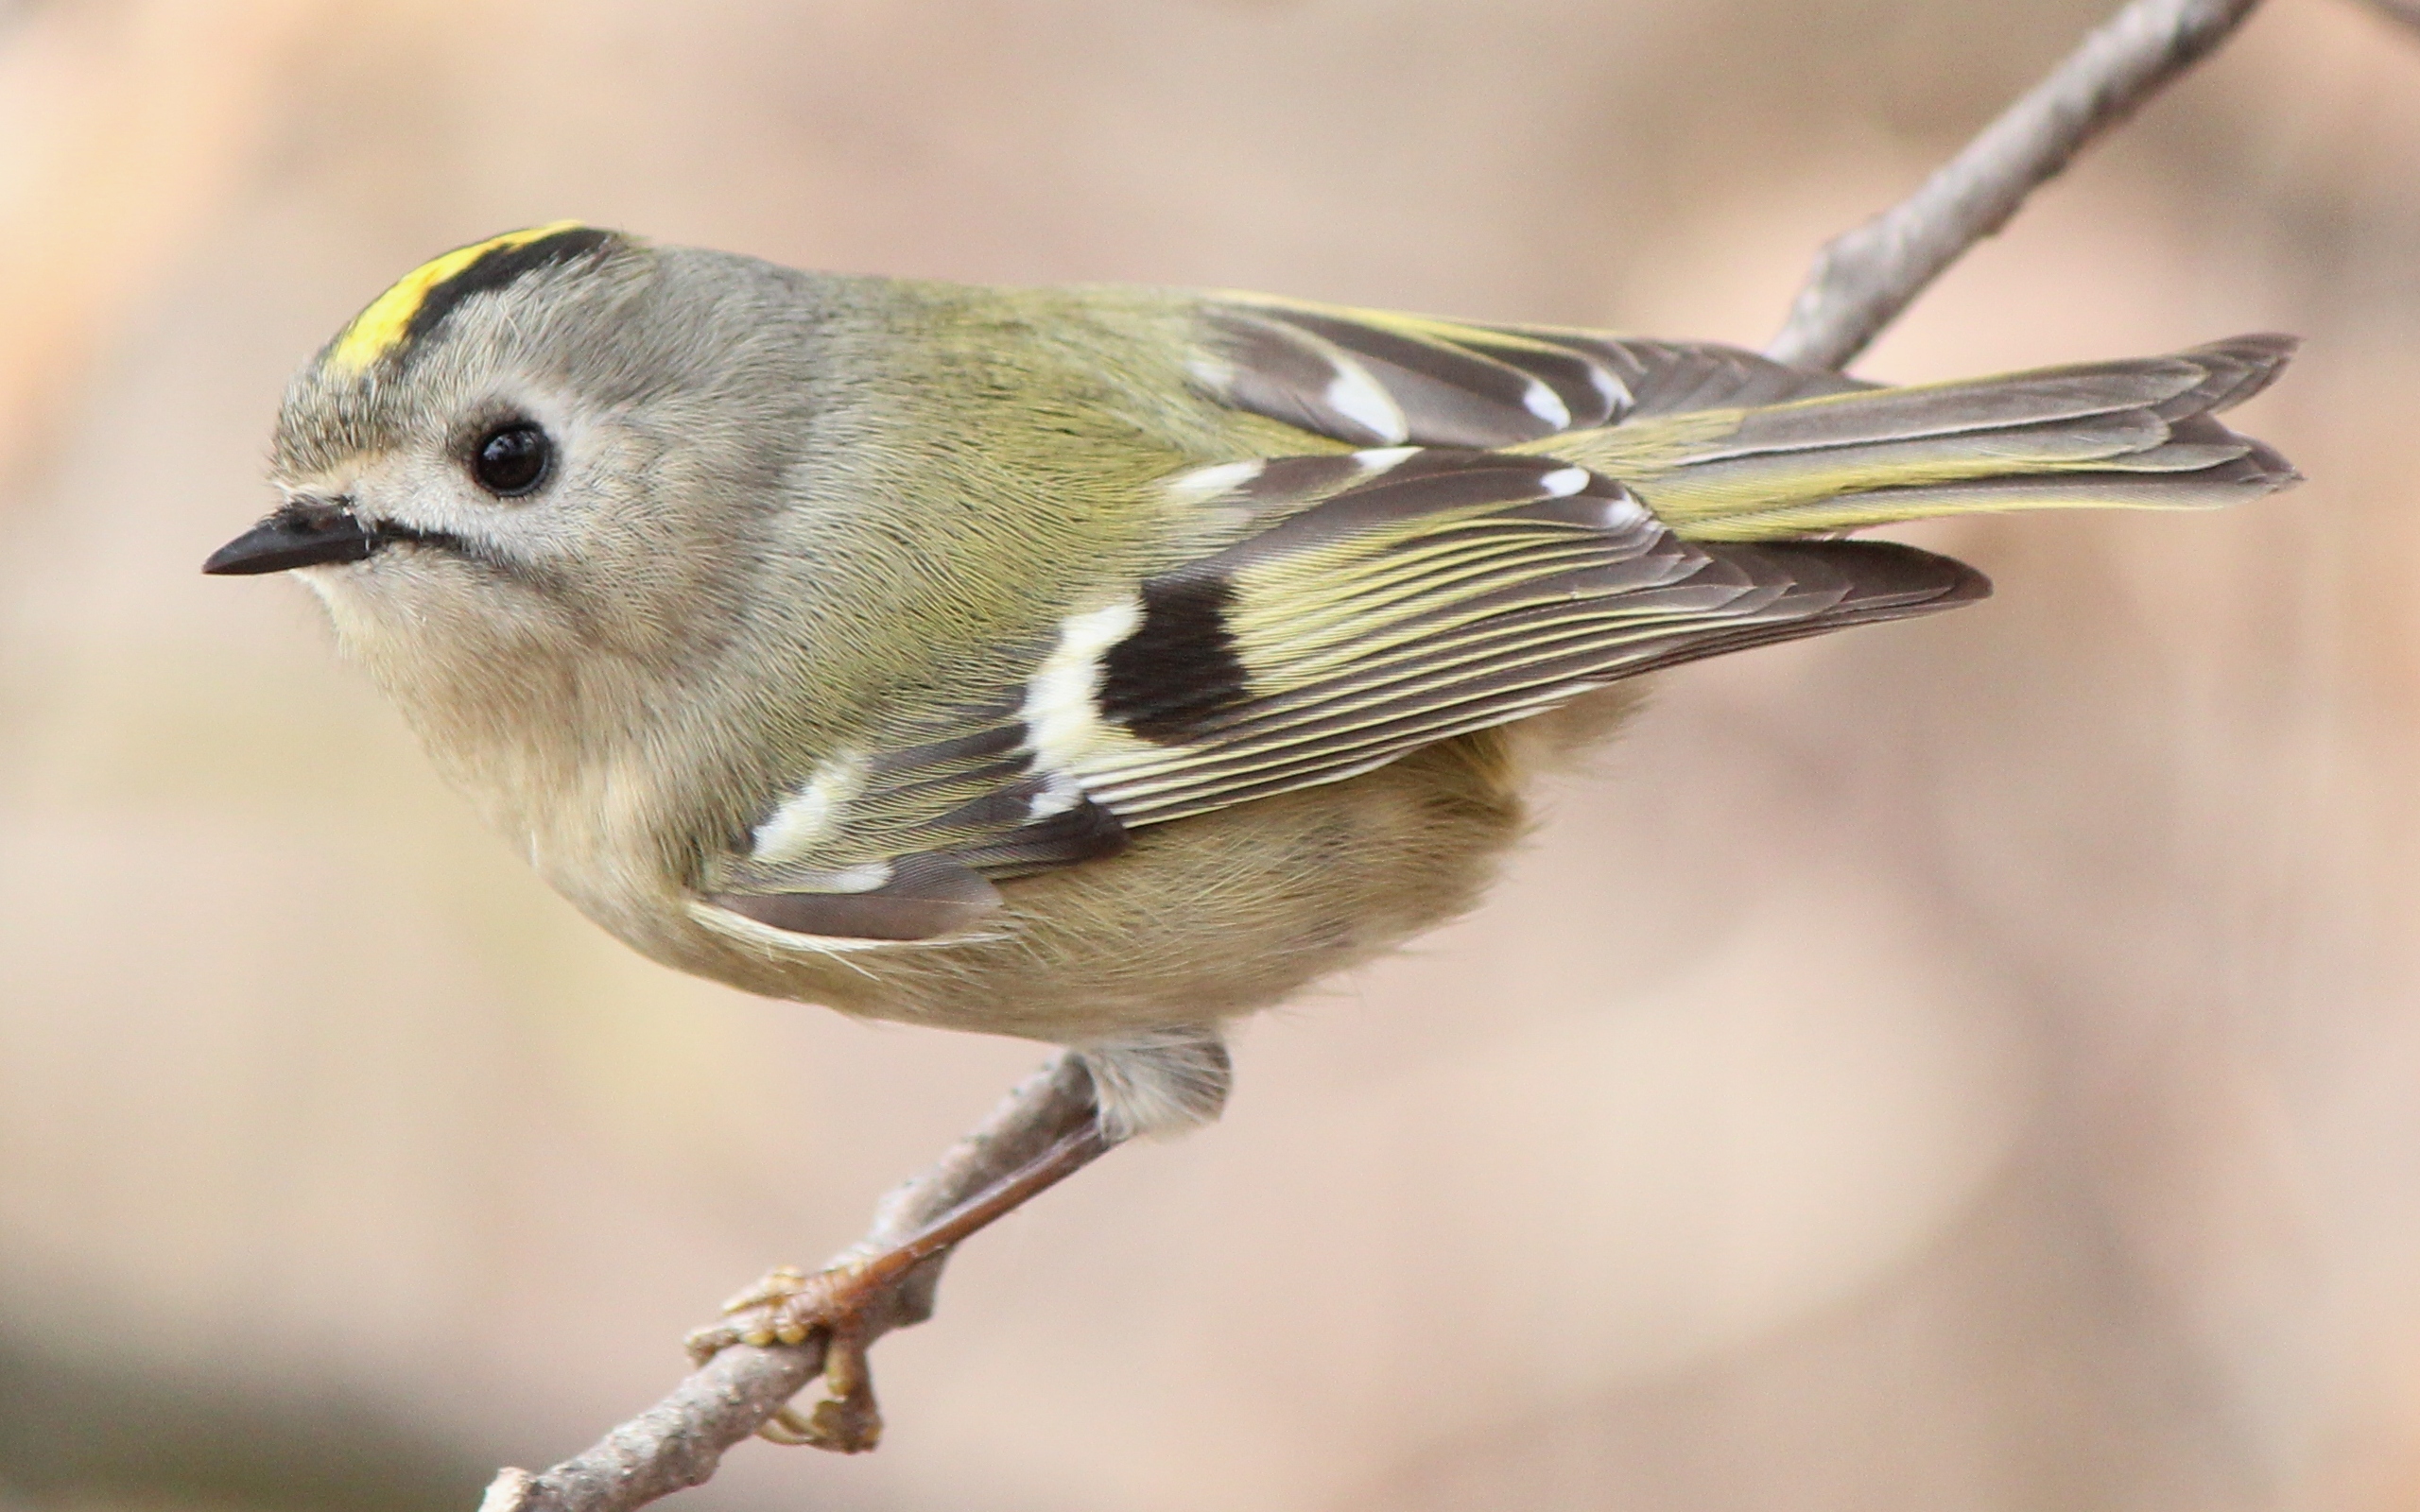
2138 434
1091 664
1436 592
1376 378
1529 516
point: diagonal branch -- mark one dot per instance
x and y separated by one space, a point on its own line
1866 277
2407 11
1860 284
678 1442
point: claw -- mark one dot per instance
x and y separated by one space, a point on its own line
790 1428
779 1284
788 1306
878 1287
847 1420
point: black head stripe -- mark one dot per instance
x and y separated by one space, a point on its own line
498 268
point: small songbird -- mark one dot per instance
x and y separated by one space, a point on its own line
1094 664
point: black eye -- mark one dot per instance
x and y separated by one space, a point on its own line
512 459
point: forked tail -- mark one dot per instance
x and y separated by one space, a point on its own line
2139 434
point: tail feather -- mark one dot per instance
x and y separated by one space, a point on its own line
2236 481
2239 367
1957 408
2138 434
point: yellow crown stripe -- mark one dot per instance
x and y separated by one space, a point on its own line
377 329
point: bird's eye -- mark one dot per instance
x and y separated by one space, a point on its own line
512 459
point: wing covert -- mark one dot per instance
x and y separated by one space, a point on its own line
1401 596
1376 378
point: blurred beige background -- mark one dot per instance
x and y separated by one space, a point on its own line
1969 1064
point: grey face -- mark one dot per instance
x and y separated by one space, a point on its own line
512 453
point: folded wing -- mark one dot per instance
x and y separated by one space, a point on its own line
1405 595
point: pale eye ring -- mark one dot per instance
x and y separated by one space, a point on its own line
512 459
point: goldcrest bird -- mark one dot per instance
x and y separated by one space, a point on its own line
1094 664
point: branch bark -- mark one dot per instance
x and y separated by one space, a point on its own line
2407 11
1864 279
1861 283
678 1442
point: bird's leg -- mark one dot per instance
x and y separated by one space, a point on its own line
1047 1132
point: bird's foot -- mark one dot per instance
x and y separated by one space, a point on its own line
885 1284
846 1305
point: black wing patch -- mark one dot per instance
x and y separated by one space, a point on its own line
1181 665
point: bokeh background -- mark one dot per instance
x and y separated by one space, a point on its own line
1967 1064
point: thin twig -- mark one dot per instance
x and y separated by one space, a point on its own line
1860 284
680 1440
1866 277
2407 11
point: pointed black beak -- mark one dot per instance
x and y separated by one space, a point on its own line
304 533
